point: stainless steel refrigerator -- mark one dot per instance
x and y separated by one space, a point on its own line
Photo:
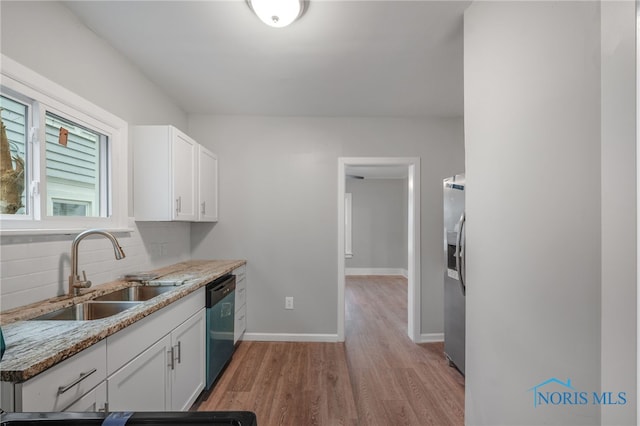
454 272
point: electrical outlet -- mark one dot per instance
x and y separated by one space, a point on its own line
288 302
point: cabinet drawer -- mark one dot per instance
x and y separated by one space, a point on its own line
240 323
240 272
63 384
241 282
241 298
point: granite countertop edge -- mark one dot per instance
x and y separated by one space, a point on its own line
35 346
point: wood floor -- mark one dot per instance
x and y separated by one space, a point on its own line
377 377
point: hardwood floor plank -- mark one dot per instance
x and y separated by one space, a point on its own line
370 412
341 405
401 413
425 401
243 379
376 377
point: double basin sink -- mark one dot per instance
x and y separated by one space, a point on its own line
106 305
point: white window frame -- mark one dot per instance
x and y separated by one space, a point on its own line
50 96
348 248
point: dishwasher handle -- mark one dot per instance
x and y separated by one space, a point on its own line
218 289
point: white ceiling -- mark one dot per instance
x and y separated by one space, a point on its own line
342 58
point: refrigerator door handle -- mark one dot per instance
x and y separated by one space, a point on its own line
460 264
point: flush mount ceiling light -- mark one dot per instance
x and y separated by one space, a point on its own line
278 13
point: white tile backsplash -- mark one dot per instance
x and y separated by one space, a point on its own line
34 268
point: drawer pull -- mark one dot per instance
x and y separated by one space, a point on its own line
63 389
172 359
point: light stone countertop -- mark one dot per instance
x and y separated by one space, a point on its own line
34 346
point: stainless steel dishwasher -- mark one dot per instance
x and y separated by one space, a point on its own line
220 323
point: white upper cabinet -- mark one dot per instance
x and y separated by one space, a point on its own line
183 165
169 184
207 185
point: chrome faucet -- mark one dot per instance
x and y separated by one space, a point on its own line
75 283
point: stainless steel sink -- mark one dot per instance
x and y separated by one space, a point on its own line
136 293
87 311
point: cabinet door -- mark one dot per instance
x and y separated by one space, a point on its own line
94 401
144 384
62 384
208 185
188 376
184 153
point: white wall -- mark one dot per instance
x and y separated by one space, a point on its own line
49 39
550 173
619 225
379 223
278 207
36 268
278 201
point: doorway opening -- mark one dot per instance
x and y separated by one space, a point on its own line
412 167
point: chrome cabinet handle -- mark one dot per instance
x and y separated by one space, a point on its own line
171 359
460 253
63 389
179 352
204 207
105 409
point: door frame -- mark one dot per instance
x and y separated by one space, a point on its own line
413 237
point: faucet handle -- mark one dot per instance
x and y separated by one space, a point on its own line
85 282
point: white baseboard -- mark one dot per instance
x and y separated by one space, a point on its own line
376 271
330 338
431 338
289 337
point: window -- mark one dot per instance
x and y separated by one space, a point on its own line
13 170
63 162
76 162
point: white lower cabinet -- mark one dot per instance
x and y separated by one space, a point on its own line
240 322
144 384
188 373
157 364
95 400
62 385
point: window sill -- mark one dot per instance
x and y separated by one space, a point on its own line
65 231
127 227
